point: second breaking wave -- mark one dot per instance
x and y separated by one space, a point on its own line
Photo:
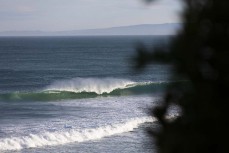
64 137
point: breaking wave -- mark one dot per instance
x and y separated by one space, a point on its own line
95 85
73 135
86 88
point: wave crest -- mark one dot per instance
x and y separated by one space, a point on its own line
79 88
95 85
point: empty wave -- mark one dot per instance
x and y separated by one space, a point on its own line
60 138
86 88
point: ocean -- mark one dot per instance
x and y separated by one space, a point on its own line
78 94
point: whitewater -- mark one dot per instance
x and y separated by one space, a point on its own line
60 138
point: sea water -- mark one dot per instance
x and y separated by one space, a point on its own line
78 94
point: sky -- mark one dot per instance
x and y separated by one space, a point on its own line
61 15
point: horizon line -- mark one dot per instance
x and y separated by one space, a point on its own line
89 28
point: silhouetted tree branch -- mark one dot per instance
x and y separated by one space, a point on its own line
199 54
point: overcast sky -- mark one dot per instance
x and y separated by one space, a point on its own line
58 15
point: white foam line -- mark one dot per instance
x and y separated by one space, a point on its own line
59 138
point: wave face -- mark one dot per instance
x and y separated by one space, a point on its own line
79 88
59 138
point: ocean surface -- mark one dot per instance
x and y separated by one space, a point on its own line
78 94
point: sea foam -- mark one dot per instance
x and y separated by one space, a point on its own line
73 135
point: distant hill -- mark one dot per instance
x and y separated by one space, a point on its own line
143 29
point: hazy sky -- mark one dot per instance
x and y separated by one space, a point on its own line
56 15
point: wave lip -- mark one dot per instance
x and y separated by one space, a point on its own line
90 85
60 138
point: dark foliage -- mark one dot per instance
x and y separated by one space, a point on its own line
200 54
